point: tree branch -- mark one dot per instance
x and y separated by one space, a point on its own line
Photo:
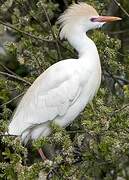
122 8
26 33
8 102
65 3
119 32
1 135
121 79
7 69
54 37
115 77
121 109
15 77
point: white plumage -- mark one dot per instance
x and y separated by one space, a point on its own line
64 89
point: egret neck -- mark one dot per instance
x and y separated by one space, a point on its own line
82 43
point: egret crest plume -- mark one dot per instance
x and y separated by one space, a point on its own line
76 14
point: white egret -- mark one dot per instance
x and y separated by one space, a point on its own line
61 92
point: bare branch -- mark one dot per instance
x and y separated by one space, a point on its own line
121 79
15 77
65 3
122 8
66 48
119 32
8 135
7 69
121 109
76 131
8 102
109 74
54 37
26 33
113 8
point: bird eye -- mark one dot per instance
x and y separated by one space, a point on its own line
93 19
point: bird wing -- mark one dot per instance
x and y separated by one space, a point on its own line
56 101
63 96
50 96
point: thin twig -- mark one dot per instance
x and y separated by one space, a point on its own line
7 69
15 77
109 74
8 135
54 37
119 32
121 54
25 33
4 104
116 78
8 9
65 3
66 48
121 79
121 7
76 131
121 109
31 15
39 65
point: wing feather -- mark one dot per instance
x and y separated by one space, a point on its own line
59 99
48 97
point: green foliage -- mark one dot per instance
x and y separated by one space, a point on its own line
95 146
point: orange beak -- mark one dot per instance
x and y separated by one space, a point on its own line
106 19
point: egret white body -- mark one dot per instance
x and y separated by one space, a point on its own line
64 89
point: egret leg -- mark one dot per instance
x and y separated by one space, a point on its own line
41 153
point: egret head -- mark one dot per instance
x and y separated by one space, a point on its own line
81 17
